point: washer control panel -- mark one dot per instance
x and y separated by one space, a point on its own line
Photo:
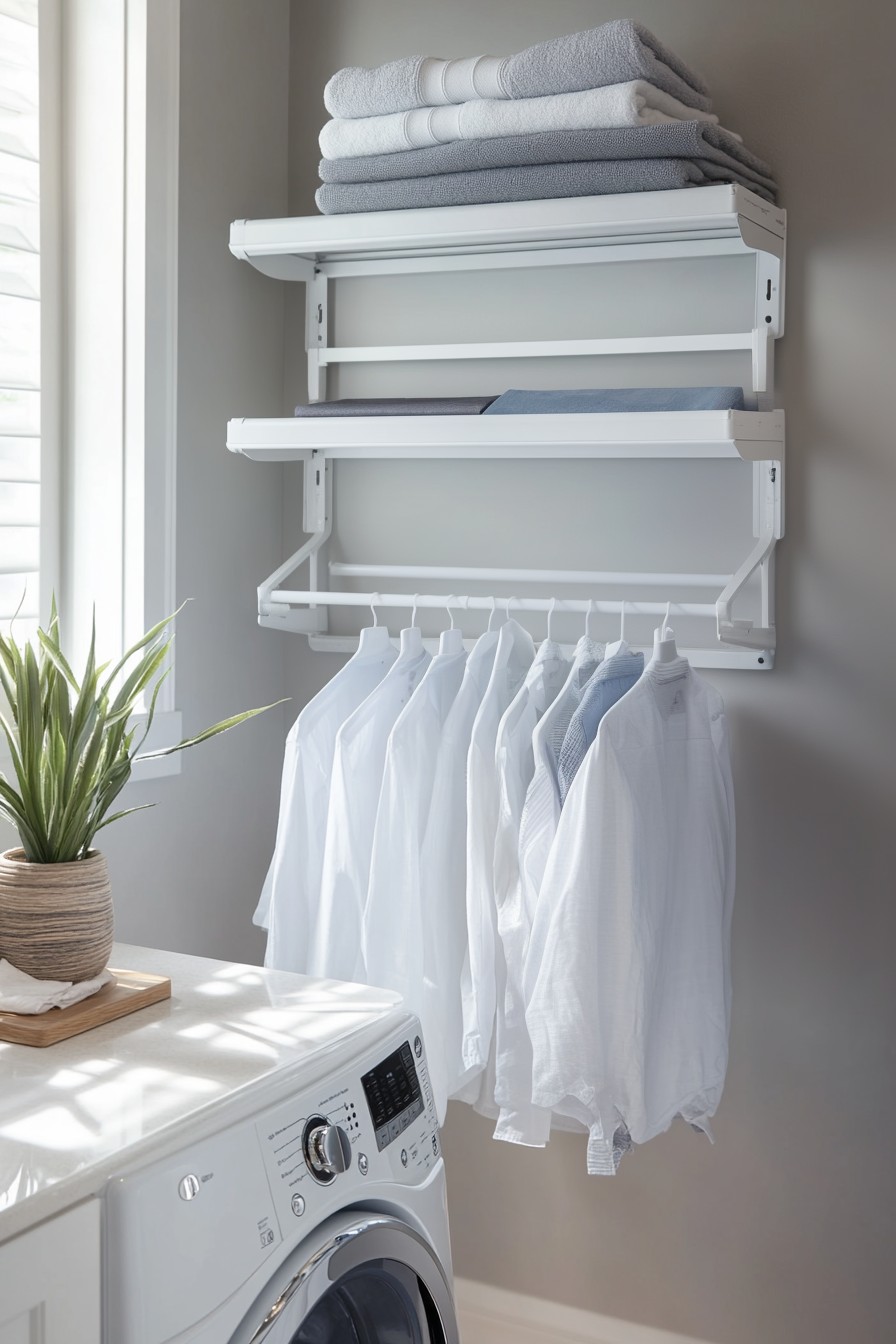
393 1095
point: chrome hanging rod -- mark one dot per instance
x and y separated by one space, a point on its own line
473 574
439 602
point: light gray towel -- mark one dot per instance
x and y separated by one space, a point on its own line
635 103
537 182
672 140
367 406
611 54
606 400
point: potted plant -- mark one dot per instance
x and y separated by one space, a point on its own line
73 746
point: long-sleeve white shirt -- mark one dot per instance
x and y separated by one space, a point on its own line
351 814
291 894
628 968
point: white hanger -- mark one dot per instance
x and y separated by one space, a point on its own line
619 645
551 609
588 615
452 639
411 637
493 617
374 638
664 647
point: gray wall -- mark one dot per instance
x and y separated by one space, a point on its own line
783 1231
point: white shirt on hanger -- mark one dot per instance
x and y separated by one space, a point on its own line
512 661
393 914
351 815
514 765
444 879
519 1121
291 893
629 957
541 810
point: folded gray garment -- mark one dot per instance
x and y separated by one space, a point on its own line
536 182
614 53
355 406
671 140
603 400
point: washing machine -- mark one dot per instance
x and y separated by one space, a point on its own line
320 1219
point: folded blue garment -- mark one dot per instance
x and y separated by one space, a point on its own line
597 400
350 407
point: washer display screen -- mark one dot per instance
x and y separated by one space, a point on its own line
393 1094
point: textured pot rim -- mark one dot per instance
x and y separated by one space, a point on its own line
16 858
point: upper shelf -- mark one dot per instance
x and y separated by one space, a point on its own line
290 249
751 435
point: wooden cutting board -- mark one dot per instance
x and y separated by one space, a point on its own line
126 993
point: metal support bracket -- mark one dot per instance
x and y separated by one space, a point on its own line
769 528
317 510
316 327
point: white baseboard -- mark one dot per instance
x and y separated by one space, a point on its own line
494 1316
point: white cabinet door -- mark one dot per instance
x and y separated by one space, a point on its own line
50 1281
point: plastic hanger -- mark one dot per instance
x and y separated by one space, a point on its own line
665 649
619 645
493 621
551 609
588 617
411 637
374 638
452 639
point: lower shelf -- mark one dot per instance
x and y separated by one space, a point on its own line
754 436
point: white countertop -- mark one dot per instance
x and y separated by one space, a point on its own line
75 1113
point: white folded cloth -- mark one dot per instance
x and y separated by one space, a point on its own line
21 993
635 103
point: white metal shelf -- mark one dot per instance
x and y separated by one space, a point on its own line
751 435
290 249
657 226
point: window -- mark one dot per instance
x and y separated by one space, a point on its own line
88 243
20 318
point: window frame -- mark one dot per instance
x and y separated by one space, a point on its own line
108 498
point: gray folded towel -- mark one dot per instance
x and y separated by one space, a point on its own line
614 53
367 406
531 183
604 400
671 140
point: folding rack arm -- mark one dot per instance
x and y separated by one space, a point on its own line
275 611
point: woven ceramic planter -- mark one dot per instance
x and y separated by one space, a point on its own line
55 918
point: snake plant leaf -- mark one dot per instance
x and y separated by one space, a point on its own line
141 643
54 653
224 726
125 812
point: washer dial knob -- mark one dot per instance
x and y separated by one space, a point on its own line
328 1150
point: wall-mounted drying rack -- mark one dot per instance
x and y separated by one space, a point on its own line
703 222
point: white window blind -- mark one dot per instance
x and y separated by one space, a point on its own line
19 317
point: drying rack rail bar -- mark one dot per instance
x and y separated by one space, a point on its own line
313 617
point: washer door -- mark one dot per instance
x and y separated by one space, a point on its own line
363 1279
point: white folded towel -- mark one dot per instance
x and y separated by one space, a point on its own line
636 103
21 993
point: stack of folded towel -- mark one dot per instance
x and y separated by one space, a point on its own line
595 113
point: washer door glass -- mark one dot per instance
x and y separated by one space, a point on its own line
365 1279
377 1304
